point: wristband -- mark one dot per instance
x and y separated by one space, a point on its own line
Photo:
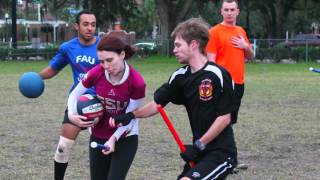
199 145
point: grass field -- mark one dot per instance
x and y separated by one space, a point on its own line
278 133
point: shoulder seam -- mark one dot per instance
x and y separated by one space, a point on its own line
216 71
182 70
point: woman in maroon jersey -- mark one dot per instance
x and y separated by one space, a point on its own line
121 89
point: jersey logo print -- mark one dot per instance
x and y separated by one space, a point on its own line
111 93
83 76
84 58
205 90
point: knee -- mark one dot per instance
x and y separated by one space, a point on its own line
63 150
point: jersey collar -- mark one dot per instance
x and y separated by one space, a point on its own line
124 77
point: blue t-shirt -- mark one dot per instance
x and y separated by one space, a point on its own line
80 57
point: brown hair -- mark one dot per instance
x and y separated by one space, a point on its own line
116 43
193 29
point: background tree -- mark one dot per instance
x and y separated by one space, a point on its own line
4 7
305 13
144 18
170 13
261 19
109 11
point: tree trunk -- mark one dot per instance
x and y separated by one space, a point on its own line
247 7
26 11
279 18
170 15
163 11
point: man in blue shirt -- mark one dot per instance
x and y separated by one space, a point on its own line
81 54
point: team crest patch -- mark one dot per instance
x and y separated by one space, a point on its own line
205 90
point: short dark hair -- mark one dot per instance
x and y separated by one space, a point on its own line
80 13
230 1
193 29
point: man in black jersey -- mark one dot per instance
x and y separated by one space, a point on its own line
206 91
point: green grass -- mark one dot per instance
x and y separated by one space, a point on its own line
277 132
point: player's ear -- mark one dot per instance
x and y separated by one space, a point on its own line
122 54
194 44
238 11
76 26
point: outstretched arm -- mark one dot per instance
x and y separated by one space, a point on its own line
147 110
48 72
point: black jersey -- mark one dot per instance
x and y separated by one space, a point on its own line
206 94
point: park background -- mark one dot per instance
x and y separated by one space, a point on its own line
278 130
279 30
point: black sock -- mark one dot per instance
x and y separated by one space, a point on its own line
59 170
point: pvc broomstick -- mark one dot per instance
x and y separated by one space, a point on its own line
99 146
173 132
316 70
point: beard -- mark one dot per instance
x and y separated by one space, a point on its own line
86 38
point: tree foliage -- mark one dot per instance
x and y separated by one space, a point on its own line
109 11
261 19
143 19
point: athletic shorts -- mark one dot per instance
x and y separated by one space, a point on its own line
67 120
239 91
212 165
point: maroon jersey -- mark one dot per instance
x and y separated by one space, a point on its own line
115 97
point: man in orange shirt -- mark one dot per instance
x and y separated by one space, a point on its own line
228 46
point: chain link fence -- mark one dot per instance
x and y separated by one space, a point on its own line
27 51
286 50
265 50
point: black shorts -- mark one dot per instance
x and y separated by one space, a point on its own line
67 120
239 91
212 165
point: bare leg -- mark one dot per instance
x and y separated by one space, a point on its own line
66 141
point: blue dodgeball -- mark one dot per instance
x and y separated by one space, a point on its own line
31 85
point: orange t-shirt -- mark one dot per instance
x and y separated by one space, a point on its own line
227 55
